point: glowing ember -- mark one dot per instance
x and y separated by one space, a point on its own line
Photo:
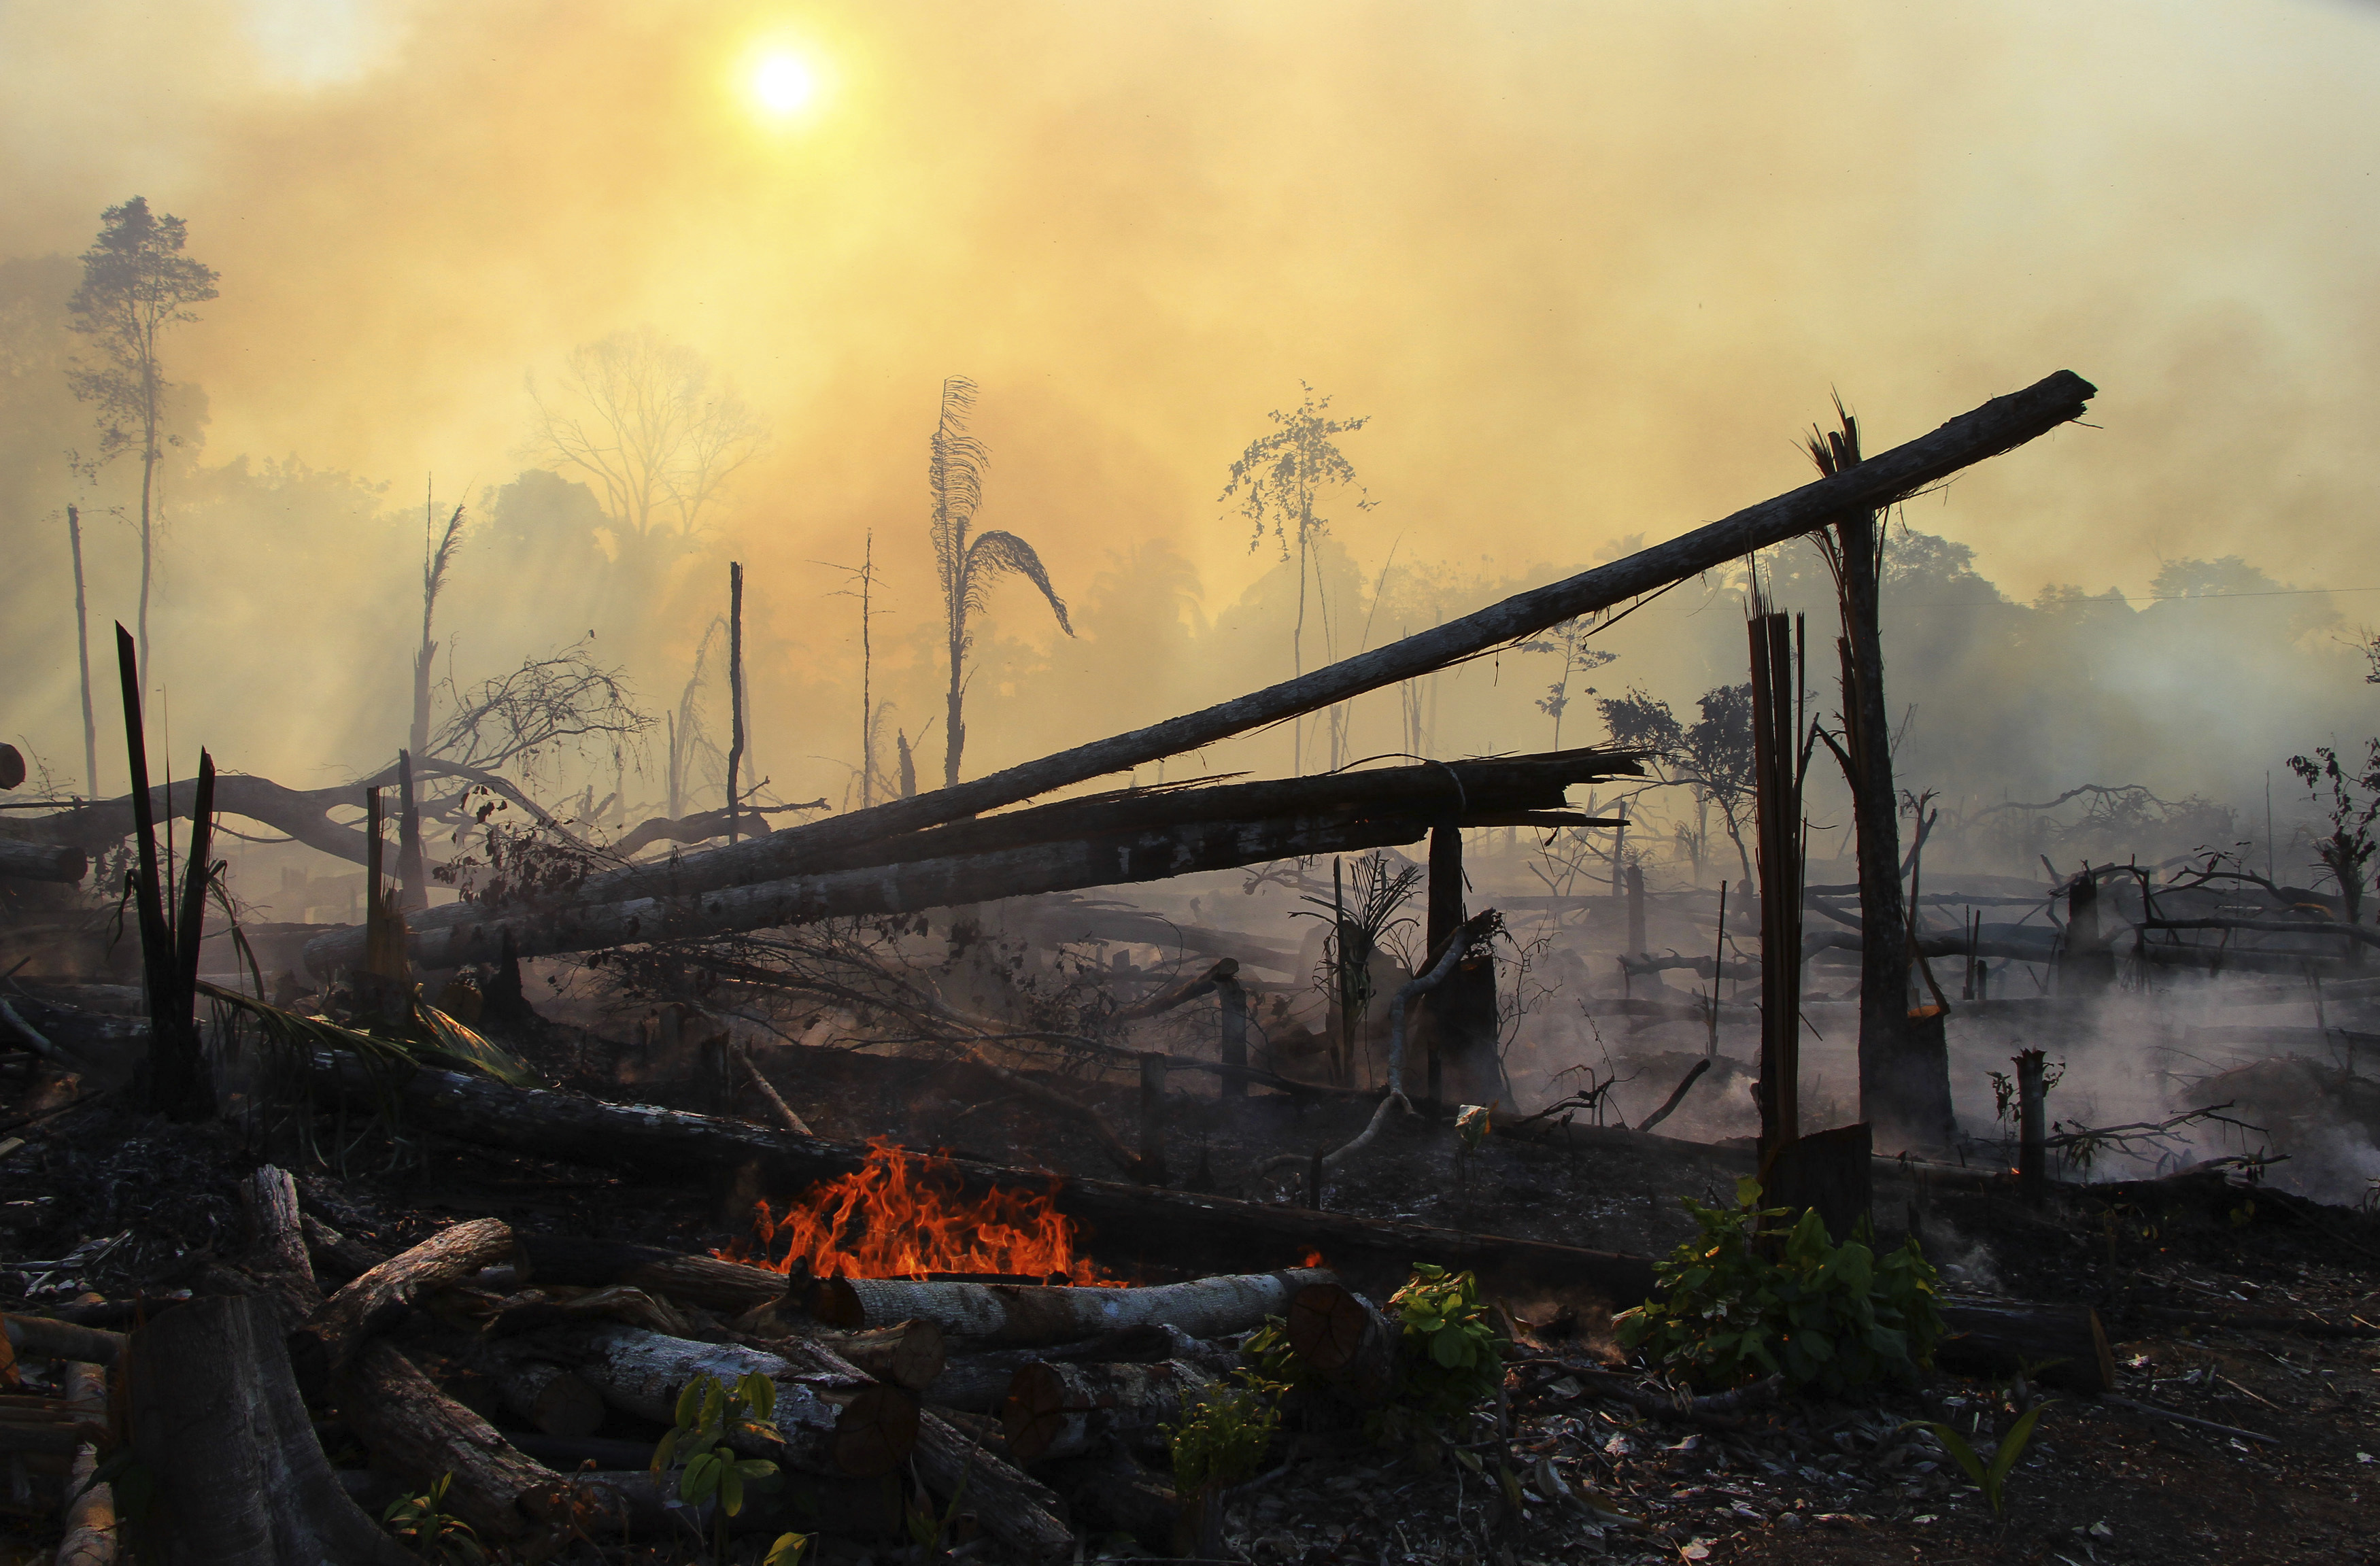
903 1214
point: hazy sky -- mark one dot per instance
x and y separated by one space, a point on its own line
1588 267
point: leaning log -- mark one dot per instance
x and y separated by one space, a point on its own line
419 1433
42 861
239 1475
1023 1315
380 1298
1068 1410
859 1429
2065 1342
1126 1224
1997 426
1021 1512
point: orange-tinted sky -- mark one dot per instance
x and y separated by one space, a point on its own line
1587 266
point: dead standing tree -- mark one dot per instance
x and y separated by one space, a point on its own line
969 565
1903 1058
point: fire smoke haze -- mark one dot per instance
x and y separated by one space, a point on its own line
1588 269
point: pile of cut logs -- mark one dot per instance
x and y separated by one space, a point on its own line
537 1372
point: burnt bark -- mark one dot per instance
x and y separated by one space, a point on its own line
1070 1409
419 1433
1020 1316
2065 1342
328 1338
701 1280
1019 1511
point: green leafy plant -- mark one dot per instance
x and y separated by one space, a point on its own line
1991 1478
1450 1357
1748 1297
1223 1433
434 1532
709 1414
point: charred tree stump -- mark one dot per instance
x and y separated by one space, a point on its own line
381 1297
1024 1315
1346 1340
2032 1119
1828 1171
1776 744
1068 1410
277 1255
239 1476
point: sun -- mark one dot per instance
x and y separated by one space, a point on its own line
783 84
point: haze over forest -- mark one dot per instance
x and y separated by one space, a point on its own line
1587 273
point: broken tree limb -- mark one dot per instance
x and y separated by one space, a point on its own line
1676 1096
377 1299
1022 1316
39 1042
1143 836
214 1415
1019 1511
1068 1410
701 1280
785 1111
1999 425
1125 1224
1178 994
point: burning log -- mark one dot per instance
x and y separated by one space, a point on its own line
1174 1229
419 1433
1346 1341
701 1281
328 1338
1068 1410
859 1429
215 1417
1023 1316
1996 1337
1019 1511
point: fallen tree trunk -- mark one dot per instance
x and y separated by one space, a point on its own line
977 1383
1069 1409
380 1298
41 1337
548 1396
1126 1224
421 1435
2065 1342
1052 848
2000 425
215 1417
1024 1315
859 1430
701 1280
42 861
1019 1511
905 1354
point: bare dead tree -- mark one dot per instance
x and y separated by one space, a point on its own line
563 701
640 418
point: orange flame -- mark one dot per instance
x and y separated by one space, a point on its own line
902 1214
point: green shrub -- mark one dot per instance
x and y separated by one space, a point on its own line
1449 1356
1222 1435
1748 1298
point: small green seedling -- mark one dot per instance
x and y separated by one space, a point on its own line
1991 1480
435 1534
708 1413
